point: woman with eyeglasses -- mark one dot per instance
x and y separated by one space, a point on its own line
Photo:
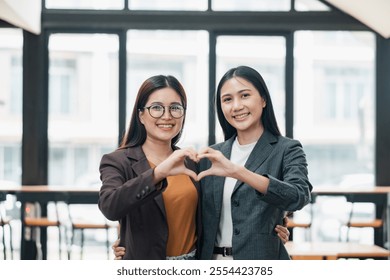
148 184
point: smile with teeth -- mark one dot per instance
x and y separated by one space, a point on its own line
241 116
165 125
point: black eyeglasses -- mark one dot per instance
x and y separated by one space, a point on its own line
157 111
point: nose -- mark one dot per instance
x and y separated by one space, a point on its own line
167 113
237 104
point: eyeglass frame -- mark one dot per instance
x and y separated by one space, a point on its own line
163 111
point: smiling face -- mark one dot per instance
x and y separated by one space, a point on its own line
242 106
165 128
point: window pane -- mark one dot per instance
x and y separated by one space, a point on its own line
310 5
334 105
11 81
171 5
266 54
83 105
183 54
85 4
251 5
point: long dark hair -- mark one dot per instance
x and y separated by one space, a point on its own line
136 133
251 75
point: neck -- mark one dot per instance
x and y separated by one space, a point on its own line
248 137
157 151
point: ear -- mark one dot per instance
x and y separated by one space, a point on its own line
263 103
141 116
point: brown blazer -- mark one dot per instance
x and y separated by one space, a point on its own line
129 196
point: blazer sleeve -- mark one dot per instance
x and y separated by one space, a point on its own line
293 191
122 190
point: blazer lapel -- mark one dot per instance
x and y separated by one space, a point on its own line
140 164
260 153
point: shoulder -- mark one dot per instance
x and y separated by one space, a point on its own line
118 153
135 153
288 142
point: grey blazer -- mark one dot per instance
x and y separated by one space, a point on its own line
129 195
255 215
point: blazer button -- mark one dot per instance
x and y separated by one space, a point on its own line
147 189
138 196
143 193
236 203
236 231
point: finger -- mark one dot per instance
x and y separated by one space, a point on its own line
203 174
204 150
115 244
210 156
283 238
191 173
192 154
119 253
283 230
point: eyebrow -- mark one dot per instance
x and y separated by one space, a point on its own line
240 91
161 103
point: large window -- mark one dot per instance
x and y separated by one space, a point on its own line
11 44
266 54
83 106
334 105
183 54
334 120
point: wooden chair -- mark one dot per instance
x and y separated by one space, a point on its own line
40 223
295 223
5 222
354 222
82 224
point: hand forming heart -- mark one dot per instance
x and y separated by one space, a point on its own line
174 164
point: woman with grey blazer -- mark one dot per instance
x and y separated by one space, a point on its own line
250 180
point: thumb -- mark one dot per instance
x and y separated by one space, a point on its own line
203 174
192 174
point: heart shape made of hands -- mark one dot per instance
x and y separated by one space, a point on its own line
174 164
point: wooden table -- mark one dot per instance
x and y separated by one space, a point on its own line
44 194
377 195
334 250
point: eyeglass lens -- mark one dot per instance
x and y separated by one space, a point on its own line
157 111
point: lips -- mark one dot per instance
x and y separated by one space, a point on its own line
241 116
165 125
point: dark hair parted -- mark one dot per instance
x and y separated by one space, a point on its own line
136 133
251 75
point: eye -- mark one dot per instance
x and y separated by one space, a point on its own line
245 95
176 108
157 108
226 99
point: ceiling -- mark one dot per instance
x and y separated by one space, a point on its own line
373 13
22 13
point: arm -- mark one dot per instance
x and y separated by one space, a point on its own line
290 191
123 189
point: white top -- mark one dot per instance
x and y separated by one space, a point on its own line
239 155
